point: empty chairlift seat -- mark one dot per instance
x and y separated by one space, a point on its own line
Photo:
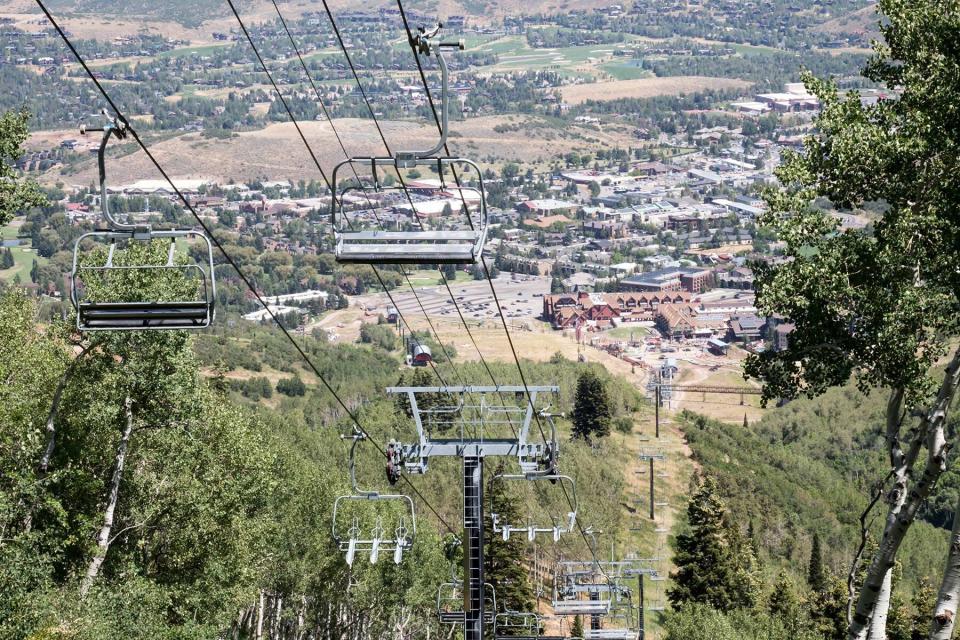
610 634
450 603
581 607
398 219
142 280
428 221
130 277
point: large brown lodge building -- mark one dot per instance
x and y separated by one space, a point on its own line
565 310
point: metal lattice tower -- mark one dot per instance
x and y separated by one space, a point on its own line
462 422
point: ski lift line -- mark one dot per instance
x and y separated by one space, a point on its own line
402 183
316 162
483 261
230 260
343 148
386 145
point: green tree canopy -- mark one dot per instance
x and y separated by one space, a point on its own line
592 408
16 193
710 569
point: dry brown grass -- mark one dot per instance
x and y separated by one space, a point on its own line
864 19
277 152
647 88
104 27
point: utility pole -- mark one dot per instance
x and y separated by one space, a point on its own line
651 456
656 405
641 621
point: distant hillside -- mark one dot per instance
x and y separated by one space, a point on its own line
807 468
863 20
189 13
193 13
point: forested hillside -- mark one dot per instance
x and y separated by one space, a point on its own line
156 501
809 469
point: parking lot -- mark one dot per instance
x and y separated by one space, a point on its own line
521 298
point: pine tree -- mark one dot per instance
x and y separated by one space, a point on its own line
816 574
503 559
577 630
592 408
754 543
898 619
6 259
923 601
784 603
556 285
828 610
710 567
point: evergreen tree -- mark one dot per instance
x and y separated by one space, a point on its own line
35 272
923 601
816 574
449 271
556 285
784 603
576 631
592 408
6 259
709 567
754 543
828 611
503 559
898 619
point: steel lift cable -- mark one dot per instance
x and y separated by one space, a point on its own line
306 358
386 145
316 162
486 269
343 148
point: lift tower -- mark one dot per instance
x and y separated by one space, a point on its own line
464 422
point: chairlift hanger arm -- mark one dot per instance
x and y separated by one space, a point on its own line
422 45
115 127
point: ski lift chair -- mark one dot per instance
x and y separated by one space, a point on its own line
450 603
520 625
96 276
559 527
372 540
568 586
455 242
620 622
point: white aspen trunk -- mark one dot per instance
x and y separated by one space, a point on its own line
300 616
103 538
54 410
933 430
276 616
901 466
259 635
878 624
945 612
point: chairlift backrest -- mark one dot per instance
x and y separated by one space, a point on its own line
396 539
558 527
98 278
363 236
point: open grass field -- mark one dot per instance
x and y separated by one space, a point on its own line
628 69
647 88
626 333
514 54
277 150
23 257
